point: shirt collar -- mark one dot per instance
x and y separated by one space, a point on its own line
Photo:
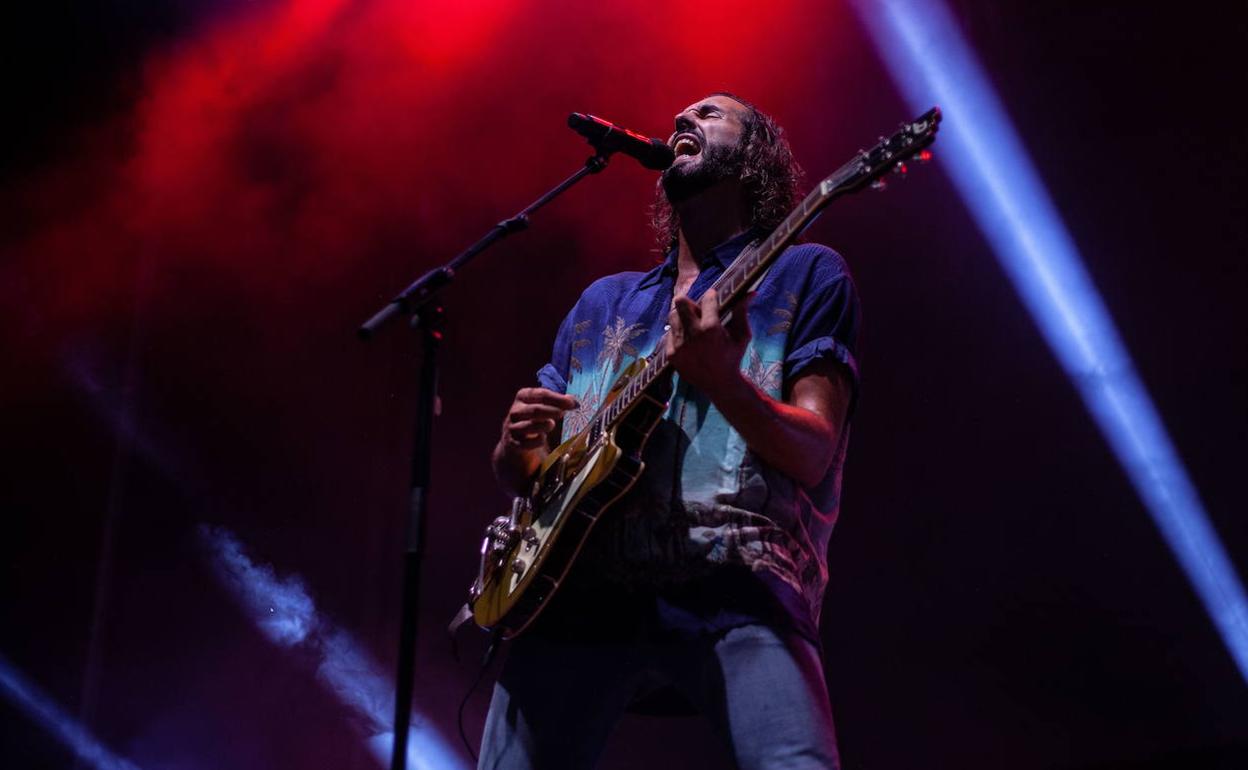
723 255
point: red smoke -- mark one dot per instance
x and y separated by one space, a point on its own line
283 139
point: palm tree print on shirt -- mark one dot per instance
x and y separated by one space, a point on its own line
766 375
617 343
576 420
784 315
579 329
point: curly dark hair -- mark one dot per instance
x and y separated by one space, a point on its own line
770 177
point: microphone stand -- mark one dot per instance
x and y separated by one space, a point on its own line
419 302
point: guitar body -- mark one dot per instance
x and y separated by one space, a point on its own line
526 555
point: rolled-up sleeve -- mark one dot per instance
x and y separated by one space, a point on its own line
554 375
826 320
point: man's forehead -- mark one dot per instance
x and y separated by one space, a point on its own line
723 101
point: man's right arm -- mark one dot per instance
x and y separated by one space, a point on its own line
526 437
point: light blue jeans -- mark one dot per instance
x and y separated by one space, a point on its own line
763 690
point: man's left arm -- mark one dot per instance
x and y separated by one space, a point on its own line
797 436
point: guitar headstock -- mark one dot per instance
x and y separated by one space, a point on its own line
888 155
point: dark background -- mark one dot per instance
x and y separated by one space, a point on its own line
201 201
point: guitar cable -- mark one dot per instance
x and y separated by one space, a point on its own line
491 649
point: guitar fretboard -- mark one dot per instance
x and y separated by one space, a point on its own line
746 269
752 263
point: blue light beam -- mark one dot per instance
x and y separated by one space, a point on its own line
35 703
927 57
284 612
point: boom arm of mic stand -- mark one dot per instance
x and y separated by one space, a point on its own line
429 284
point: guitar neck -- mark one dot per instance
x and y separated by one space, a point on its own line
743 273
746 270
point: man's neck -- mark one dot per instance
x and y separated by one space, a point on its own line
707 220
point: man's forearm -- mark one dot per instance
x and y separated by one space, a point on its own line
792 439
514 467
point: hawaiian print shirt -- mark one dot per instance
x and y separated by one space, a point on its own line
704 499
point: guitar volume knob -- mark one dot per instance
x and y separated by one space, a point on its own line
518 566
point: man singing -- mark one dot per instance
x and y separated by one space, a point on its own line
704 582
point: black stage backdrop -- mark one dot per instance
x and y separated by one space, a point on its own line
202 200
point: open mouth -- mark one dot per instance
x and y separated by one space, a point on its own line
686 144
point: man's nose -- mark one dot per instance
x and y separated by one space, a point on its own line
684 123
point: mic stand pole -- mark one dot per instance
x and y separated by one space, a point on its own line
418 302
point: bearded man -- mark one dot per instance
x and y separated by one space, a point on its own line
704 582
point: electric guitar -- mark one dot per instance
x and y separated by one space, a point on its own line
528 552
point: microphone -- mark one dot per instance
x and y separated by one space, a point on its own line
608 137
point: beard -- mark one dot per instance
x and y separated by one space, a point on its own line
714 165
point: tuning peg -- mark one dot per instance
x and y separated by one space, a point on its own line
900 169
879 185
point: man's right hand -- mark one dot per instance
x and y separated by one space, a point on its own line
526 433
533 416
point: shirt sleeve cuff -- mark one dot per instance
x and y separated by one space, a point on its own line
819 349
550 379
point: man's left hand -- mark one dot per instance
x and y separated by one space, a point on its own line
704 351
